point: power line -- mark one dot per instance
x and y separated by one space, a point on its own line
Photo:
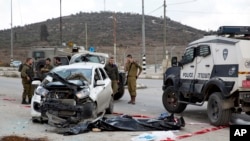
204 12
184 2
155 10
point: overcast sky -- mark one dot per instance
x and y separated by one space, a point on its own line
200 14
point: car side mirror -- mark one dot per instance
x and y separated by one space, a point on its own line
174 62
36 82
100 83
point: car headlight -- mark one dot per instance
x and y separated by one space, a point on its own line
41 91
82 94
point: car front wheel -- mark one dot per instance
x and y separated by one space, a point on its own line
170 100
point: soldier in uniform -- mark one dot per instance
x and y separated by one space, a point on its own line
57 61
133 70
27 75
47 67
112 71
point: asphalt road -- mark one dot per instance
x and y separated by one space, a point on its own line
15 118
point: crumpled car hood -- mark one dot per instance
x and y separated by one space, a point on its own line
71 84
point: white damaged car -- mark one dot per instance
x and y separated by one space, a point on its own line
72 93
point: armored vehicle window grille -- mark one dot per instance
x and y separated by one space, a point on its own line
189 55
203 50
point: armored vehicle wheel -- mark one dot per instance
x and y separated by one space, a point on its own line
120 93
216 114
170 100
121 87
248 113
110 109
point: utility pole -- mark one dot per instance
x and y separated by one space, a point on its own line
55 50
86 36
143 41
60 22
114 35
164 31
11 37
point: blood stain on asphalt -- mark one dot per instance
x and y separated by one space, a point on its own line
18 138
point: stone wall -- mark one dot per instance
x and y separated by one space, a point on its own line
18 54
154 55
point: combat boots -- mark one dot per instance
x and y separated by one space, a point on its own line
24 101
132 101
29 100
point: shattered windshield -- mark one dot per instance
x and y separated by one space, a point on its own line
88 58
72 74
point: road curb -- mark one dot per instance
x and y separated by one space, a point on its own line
138 86
151 77
9 73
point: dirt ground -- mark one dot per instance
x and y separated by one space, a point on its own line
18 138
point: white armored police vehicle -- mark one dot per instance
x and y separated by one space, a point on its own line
215 69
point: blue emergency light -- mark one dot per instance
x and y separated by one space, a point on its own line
234 30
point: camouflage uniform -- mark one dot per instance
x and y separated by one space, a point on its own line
113 74
27 71
132 69
45 70
58 64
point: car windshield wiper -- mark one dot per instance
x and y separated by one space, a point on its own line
85 59
65 82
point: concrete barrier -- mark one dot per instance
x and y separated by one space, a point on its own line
9 72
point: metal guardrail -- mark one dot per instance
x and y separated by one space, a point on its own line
8 69
9 72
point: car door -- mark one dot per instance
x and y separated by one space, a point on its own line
99 91
107 92
188 68
204 65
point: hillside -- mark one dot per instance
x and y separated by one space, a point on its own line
100 32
